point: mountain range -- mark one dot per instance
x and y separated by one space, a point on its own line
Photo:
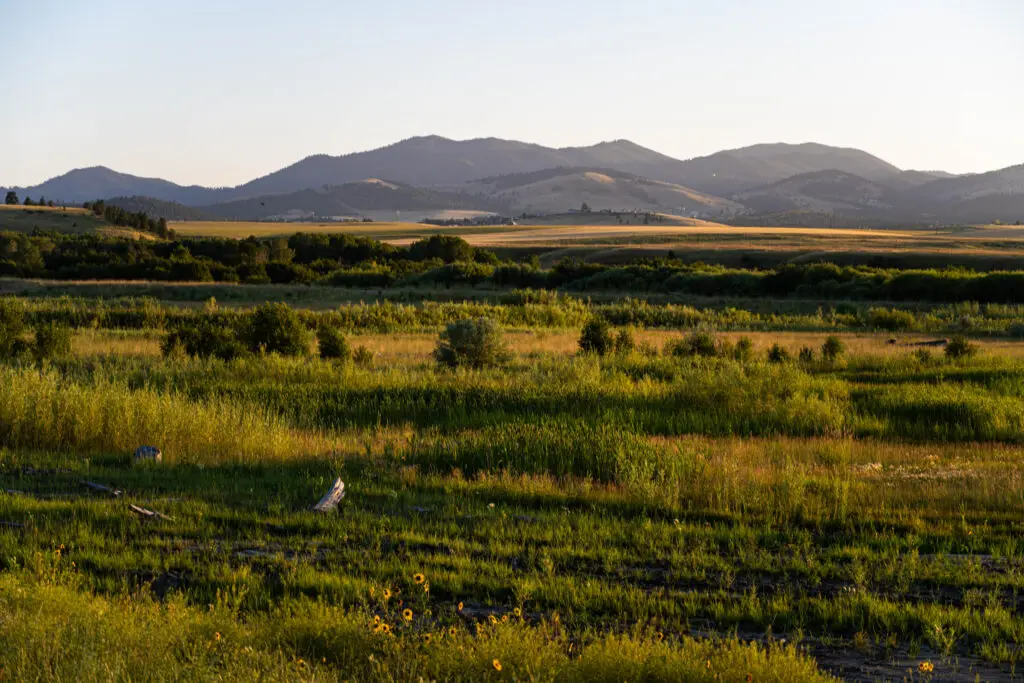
429 175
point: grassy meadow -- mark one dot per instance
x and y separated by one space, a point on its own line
639 515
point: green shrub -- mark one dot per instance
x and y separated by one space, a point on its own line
960 347
597 337
51 340
890 319
363 357
332 343
624 342
778 354
744 350
701 343
204 337
806 355
12 327
923 356
276 328
475 343
833 349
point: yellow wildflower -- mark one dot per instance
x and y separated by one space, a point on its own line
517 612
419 578
497 665
407 615
926 667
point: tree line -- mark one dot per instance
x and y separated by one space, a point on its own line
11 199
138 220
446 261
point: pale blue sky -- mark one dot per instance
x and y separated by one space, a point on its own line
217 92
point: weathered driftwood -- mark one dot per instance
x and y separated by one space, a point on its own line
331 498
11 525
116 493
148 453
147 514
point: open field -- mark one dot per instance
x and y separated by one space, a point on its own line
681 508
29 218
984 247
562 516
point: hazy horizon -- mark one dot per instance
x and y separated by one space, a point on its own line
216 94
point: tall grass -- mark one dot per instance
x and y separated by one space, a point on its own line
43 411
51 632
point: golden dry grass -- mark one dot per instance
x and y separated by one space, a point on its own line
413 348
76 210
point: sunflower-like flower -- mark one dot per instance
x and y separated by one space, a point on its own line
419 578
926 667
407 614
497 665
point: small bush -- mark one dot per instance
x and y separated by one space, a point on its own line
923 356
806 355
12 327
833 349
597 337
363 357
332 343
51 341
701 344
960 347
1016 330
204 338
475 343
624 342
890 319
648 350
744 350
778 354
276 328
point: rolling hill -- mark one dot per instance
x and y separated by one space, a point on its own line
436 174
821 191
371 197
99 182
556 190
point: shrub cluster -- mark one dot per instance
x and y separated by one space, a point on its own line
474 343
48 340
270 328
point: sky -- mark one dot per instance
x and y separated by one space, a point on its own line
217 92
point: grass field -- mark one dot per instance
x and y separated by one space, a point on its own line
983 247
70 219
564 516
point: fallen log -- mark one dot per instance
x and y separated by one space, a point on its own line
331 498
11 525
116 493
148 514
